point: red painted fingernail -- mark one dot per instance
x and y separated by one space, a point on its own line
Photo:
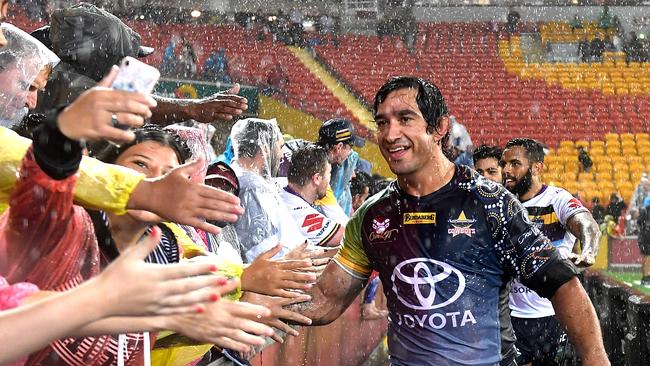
214 297
200 309
222 281
213 268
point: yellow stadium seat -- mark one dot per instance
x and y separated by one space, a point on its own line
603 176
645 155
630 150
618 159
642 136
582 143
635 176
572 187
601 159
626 194
596 152
642 144
627 136
611 136
598 143
628 142
585 177
634 159
624 184
604 168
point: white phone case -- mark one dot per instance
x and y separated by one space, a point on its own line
136 76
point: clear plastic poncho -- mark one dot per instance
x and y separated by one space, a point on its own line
266 220
21 61
252 136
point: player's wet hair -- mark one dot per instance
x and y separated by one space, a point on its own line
486 152
430 101
534 150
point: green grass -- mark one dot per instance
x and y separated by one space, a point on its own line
630 278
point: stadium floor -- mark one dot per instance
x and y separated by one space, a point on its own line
630 278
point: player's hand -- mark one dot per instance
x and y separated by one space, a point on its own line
278 312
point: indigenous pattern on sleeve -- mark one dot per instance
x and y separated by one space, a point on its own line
445 261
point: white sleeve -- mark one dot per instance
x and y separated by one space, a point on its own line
315 226
565 206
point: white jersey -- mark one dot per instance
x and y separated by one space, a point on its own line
550 210
314 225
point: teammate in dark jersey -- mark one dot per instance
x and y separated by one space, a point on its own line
446 242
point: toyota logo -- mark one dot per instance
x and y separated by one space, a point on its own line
422 275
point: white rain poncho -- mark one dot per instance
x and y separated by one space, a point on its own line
266 220
21 60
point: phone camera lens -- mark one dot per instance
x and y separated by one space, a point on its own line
127 63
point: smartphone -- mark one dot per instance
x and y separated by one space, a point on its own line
136 76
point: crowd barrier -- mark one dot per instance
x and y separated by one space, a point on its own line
624 316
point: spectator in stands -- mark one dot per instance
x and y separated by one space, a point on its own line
487 162
584 49
107 40
616 43
597 47
605 20
644 241
168 65
575 23
257 144
461 143
616 205
512 20
584 160
338 136
635 49
308 181
187 60
216 66
359 188
597 210
276 81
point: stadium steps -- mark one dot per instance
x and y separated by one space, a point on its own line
370 152
340 92
302 125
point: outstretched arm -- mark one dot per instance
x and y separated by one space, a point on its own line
333 293
576 313
222 106
585 228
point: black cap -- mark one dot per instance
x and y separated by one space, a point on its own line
339 130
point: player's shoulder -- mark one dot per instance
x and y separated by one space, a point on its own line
485 190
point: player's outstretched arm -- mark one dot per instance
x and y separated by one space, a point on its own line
332 294
585 228
576 313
